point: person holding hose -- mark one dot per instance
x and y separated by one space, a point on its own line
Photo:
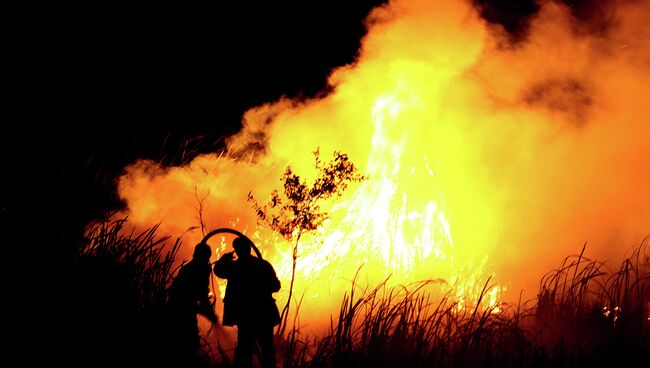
248 302
188 297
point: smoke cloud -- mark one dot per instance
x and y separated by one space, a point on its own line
535 145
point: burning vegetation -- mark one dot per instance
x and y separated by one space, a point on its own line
587 313
472 163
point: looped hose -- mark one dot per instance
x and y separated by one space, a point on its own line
231 231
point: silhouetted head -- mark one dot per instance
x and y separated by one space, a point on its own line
202 252
242 247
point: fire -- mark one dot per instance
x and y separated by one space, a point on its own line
483 157
393 225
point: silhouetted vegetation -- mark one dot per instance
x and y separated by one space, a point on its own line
297 210
597 315
585 316
110 303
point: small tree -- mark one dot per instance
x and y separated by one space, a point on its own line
297 210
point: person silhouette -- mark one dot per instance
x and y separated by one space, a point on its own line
189 296
248 302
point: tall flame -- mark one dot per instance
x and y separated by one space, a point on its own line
483 156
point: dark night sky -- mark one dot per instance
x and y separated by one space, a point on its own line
140 81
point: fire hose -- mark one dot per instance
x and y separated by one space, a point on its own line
231 231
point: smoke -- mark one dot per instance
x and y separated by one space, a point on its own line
537 144
575 165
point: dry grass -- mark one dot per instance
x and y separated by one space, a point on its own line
586 314
142 258
108 302
597 314
404 326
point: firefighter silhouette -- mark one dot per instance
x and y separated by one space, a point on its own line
248 302
189 296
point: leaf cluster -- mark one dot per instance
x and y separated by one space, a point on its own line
297 209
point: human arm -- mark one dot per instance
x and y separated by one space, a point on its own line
223 268
205 306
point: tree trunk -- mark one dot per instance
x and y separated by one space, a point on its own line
284 316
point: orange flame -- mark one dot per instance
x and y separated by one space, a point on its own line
483 157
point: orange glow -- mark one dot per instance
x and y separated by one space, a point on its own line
483 158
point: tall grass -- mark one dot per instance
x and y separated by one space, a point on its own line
596 313
405 326
141 259
586 314
110 299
